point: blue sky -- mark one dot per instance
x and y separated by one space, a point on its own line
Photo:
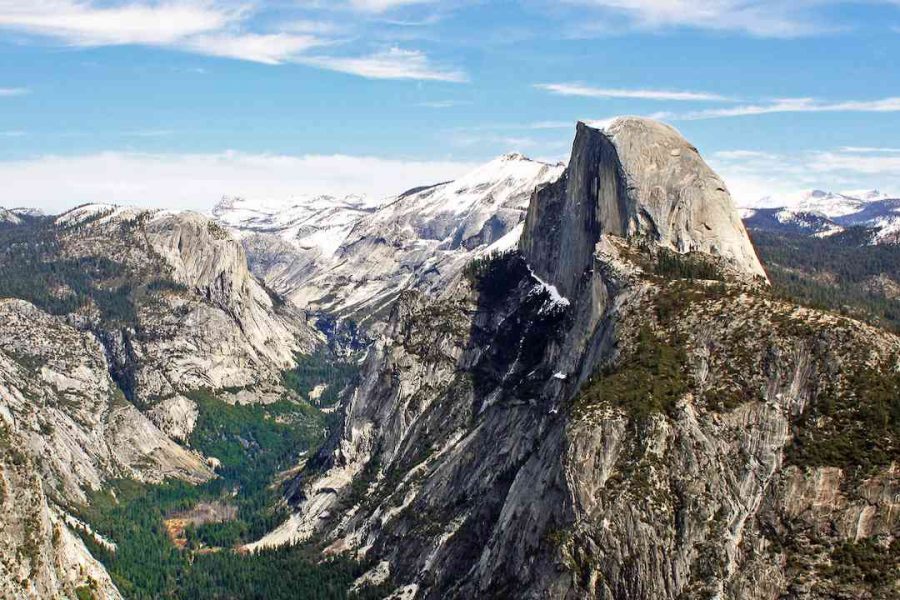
177 102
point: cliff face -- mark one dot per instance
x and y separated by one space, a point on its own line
205 321
136 308
640 180
592 417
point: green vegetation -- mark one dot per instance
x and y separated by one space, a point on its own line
84 593
841 273
865 563
33 268
673 265
146 565
254 443
286 573
649 380
494 275
855 426
322 367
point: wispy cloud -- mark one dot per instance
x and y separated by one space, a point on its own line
870 150
764 18
744 155
792 105
270 49
586 91
500 142
393 63
379 6
222 28
15 91
150 133
90 24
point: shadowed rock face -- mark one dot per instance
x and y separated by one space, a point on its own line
505 443
637 179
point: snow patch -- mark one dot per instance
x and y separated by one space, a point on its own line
556 299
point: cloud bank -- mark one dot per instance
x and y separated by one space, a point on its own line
198 181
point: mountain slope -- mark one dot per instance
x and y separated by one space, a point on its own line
591 417
417 240
822 213
108 316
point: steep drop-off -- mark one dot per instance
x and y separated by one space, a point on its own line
620 409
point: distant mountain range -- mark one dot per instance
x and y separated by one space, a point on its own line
823 213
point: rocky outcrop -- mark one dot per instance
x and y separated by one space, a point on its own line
637 179
40 556
204 320
65 429
583 419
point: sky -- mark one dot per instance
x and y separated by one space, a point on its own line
175 103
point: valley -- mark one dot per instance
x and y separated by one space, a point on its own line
539 380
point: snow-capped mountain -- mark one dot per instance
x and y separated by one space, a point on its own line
308 222
366 256
822 213
14 216
786 220
9 217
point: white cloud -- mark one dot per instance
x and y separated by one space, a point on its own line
870 150
581 90
87 24
220 28
743 155
8 92
752 175
792 105
270 49
394 63
765 18
197 181
379 6
443 103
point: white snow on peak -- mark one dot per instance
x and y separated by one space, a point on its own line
822 202
24 211
508 242
501 179
309 222
867 195
103 213
8 216
363 257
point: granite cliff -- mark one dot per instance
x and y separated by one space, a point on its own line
618 409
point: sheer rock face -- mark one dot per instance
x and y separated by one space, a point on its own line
211 325
637 179
470 461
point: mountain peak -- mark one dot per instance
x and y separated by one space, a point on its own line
511 156
634 178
